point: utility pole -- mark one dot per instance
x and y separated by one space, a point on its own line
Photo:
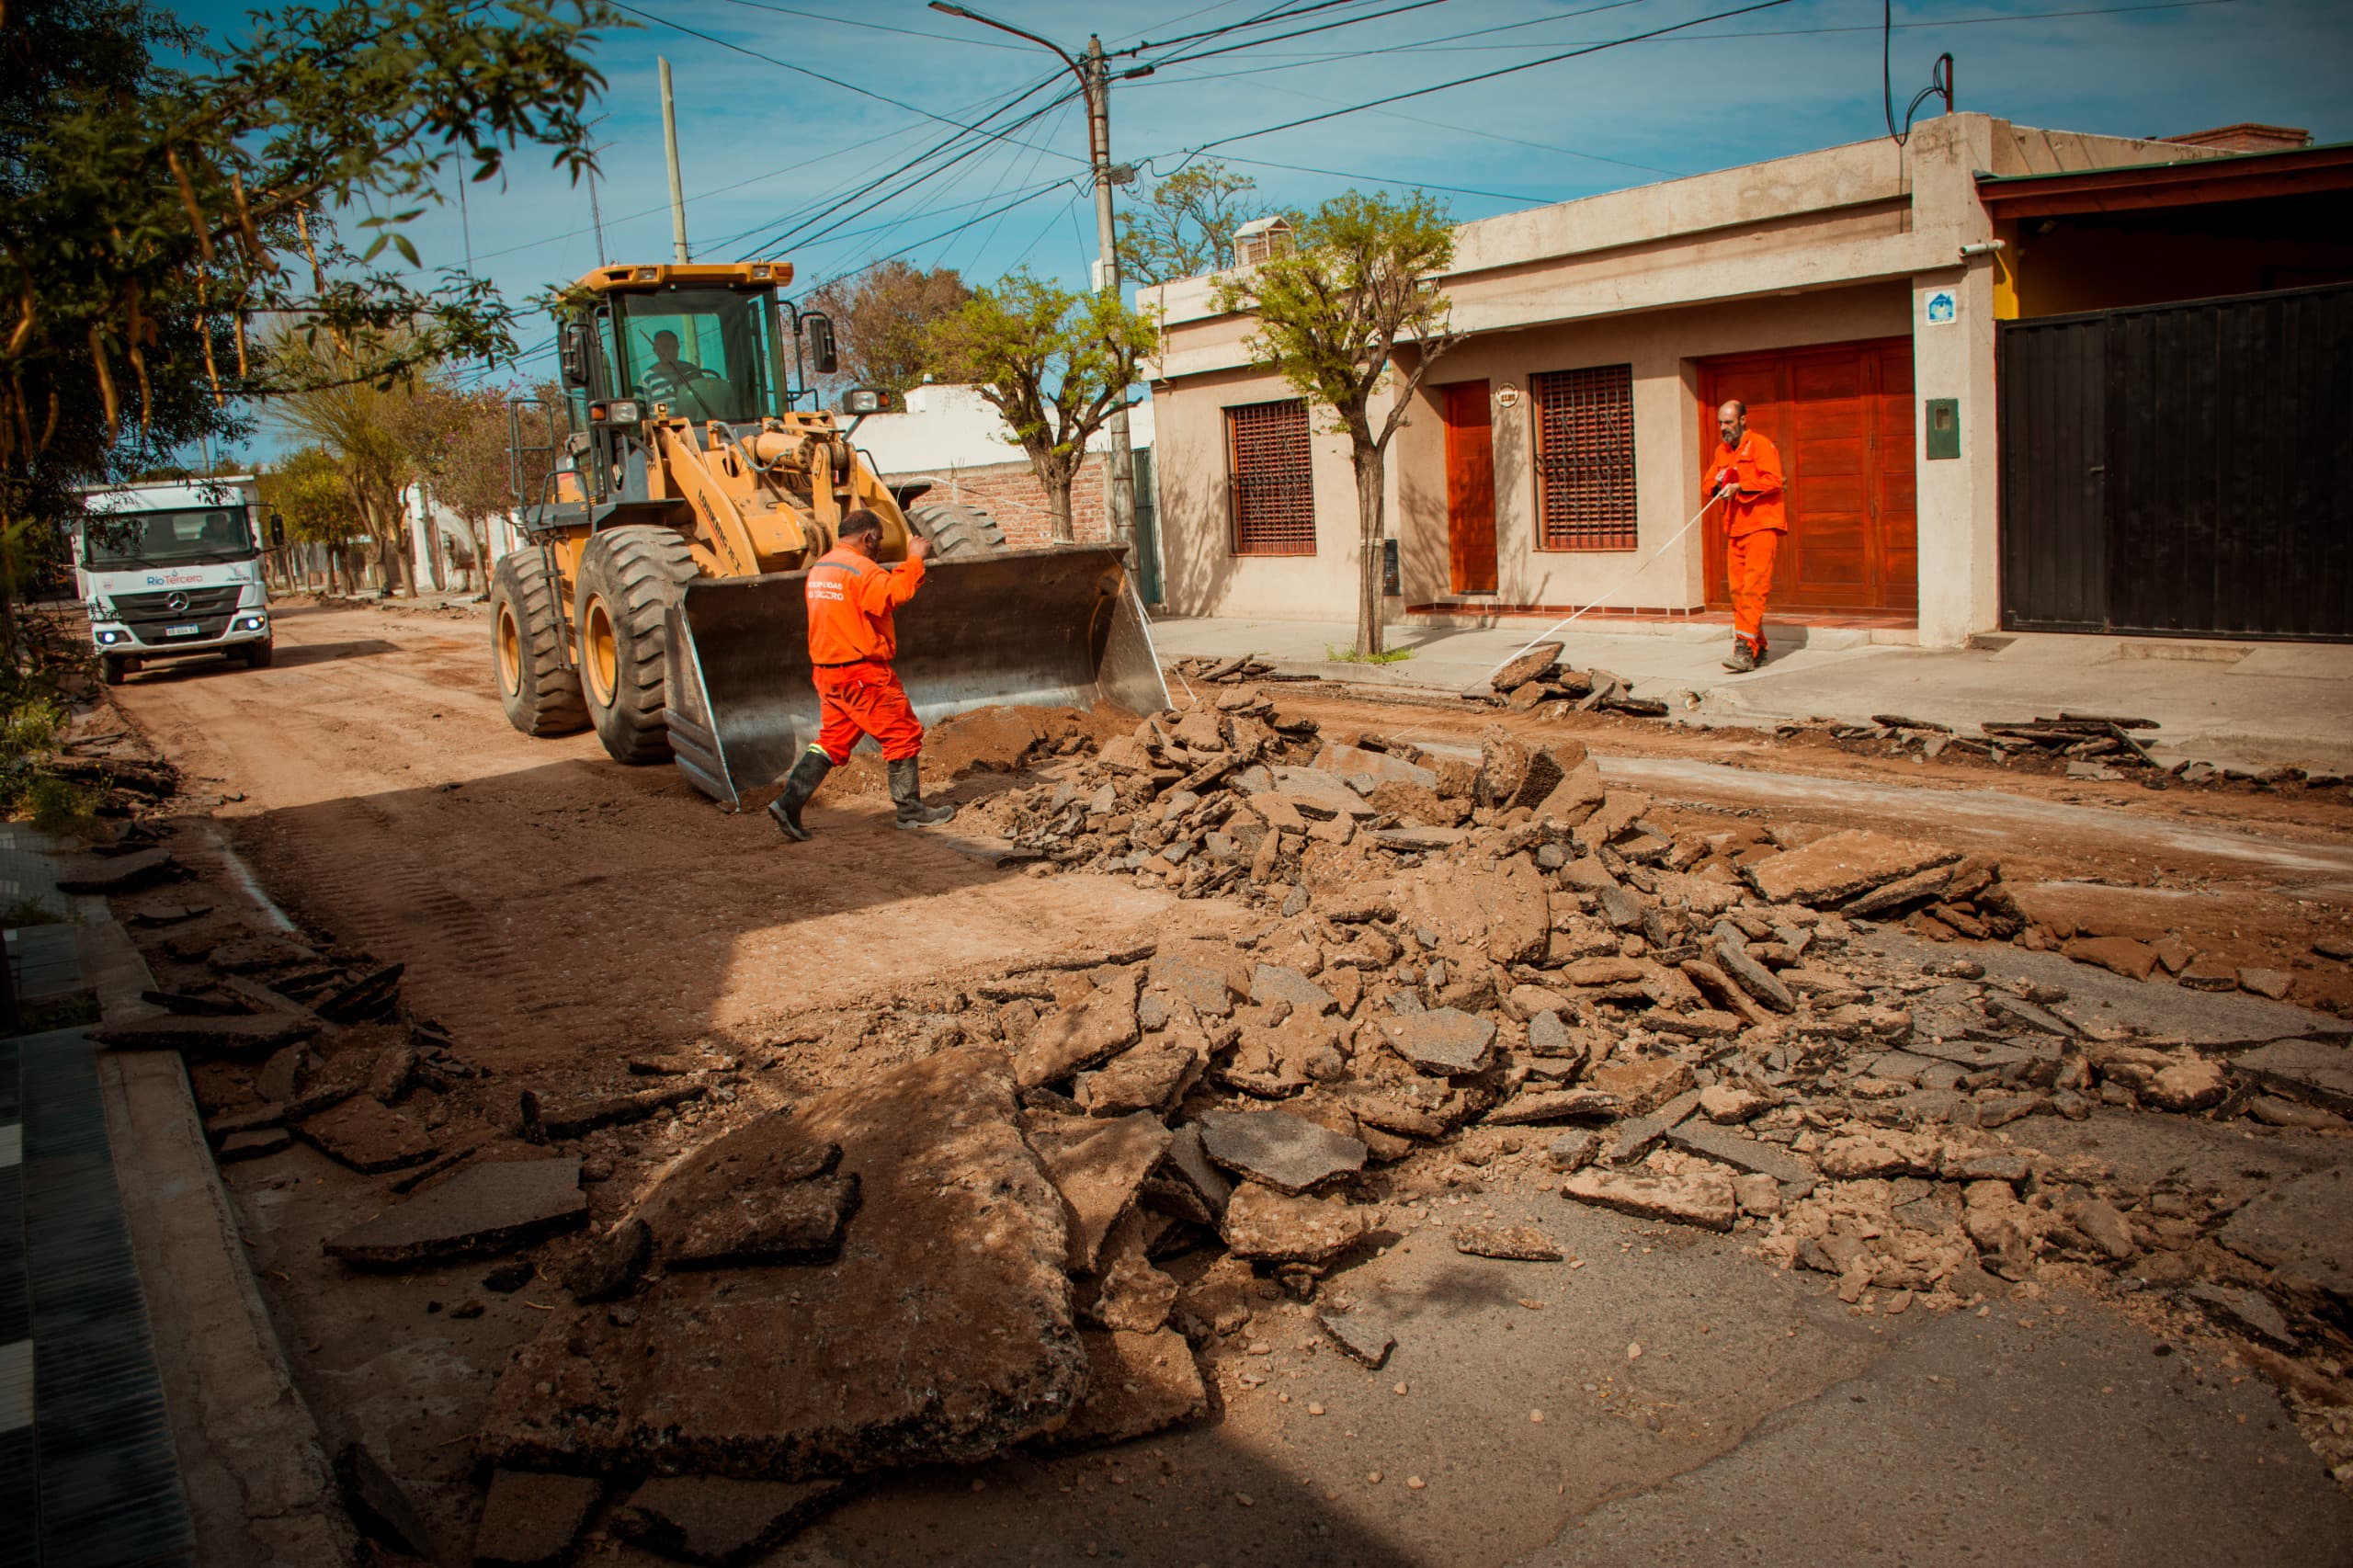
677 191
595 212
1095 77
1098 147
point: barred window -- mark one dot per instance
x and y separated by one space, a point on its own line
1584 457
1273 495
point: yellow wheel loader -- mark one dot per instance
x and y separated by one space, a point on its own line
659 595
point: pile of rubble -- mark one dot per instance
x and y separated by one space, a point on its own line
2094 748
1074 1185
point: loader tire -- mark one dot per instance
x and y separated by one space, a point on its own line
537 686
956 529
628 577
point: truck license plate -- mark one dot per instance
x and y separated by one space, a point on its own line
190 630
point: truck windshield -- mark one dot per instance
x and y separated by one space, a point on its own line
705 352
160 539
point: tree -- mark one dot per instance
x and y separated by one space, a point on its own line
1186 227
1351 312
362 428
159 196
306 489
456 437
1053 362
882 319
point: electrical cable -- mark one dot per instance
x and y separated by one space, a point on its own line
805 70
795 231
1489 75
1278 15
1167 59
1383 179
879 27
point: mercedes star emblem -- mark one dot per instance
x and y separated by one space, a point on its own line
175 602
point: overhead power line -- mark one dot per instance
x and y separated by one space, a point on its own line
1278 14
1165 60
873 26
1487 76
805 70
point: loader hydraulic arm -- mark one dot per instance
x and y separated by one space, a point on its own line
748 521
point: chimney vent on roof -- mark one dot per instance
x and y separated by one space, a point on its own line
1261 239
2247 137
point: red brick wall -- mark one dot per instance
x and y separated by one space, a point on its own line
1011 493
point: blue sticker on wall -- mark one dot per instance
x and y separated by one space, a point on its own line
1943 308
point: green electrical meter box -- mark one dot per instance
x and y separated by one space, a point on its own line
1944 428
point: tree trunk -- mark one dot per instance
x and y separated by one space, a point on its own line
1370 468
481 536
1058 508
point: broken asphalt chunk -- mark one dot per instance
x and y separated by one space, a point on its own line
1288 1152
1098 1167
722 1523
942 1334
1137 1384
482 1212
1518 1243
1359 1336
1266 1226
545 1123
253 1034
1443 1040
531 1520
1840 866
1702 1198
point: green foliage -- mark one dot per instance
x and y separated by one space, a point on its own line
1185 228
1332 314
31 718
306 490
1353 309
1340 656
160 195
1054 362
882 320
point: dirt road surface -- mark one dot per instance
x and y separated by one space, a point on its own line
550 900
1659 1398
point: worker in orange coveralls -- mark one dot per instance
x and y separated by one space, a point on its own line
1745 474
851 644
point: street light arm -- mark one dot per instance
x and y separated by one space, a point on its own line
943 7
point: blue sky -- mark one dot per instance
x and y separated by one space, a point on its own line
762 147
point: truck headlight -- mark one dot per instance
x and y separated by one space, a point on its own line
109 639
252 622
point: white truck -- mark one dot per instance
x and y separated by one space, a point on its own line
171 570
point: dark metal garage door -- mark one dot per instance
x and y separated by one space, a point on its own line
2181 469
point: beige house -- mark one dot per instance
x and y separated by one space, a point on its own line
1553 456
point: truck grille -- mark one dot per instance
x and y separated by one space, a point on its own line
200 602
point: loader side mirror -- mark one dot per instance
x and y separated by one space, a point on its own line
823 354
571 352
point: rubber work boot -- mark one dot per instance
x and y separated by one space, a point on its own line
808 770
907 793
1743 657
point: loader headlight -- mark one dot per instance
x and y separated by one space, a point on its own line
622 411
864 400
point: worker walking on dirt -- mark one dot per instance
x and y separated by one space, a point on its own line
1745 474
852 642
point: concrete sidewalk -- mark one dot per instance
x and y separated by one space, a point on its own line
2244 704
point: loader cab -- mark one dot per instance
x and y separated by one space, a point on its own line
707 353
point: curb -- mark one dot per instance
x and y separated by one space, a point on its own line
259 1485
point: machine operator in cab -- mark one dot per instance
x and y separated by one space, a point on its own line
851 644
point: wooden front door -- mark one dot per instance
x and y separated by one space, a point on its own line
1470 486
1841 416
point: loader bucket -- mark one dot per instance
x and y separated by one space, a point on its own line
1058 627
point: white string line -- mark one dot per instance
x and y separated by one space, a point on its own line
1616 589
